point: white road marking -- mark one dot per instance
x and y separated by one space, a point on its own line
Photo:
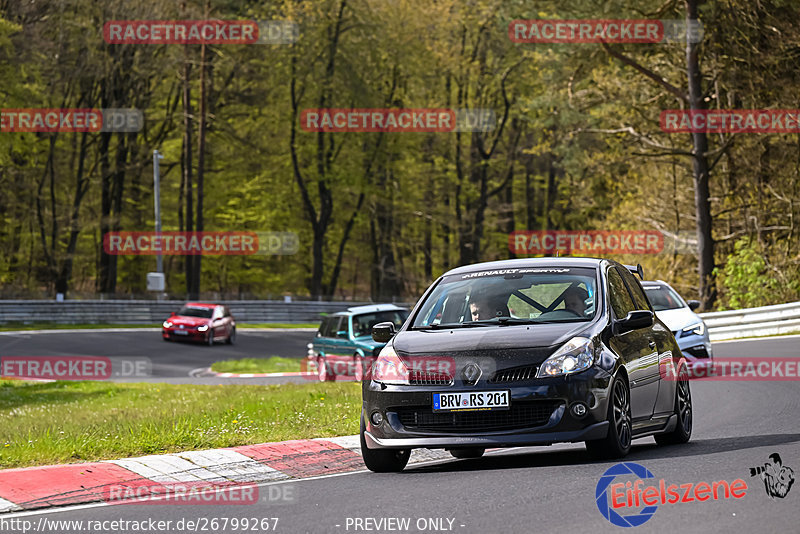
7 506
233 465
167 468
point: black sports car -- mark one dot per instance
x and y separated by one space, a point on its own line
525 352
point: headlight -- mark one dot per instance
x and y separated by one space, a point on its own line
574 356
167 324
389 368
202 328
697 329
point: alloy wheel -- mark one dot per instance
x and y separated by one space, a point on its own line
685 404
622 414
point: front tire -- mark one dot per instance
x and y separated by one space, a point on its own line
683 408
232 337
383 460
210 337
617 443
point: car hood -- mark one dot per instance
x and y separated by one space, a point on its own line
678 318
366 342
188 321
488 338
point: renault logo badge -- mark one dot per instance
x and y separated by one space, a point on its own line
471 373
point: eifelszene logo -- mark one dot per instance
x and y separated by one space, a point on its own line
642 501
778 478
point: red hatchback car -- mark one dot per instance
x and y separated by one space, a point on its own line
198 321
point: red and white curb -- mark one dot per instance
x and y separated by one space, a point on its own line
60 485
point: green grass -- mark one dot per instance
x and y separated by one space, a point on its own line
274 364
14 327
65 422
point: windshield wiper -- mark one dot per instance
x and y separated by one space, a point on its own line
467 324
518 320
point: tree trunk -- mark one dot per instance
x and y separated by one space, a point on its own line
201 156
705 241
186 164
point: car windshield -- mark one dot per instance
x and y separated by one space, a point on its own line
188 311
663 298
362 324
511 296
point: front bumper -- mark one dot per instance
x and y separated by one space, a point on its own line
595 431
540 414
192 335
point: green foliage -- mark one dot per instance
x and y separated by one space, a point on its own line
749 281
63 422
581 147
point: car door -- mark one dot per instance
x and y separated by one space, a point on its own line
664 344
217 323
633 346
321 339
340 352
230 323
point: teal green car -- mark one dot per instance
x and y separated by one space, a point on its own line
343 345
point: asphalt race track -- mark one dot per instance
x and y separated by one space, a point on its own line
172 361
550 489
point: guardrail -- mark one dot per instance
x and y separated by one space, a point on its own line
154 312
749 322
733 324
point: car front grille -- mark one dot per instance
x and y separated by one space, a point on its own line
520 415
516 374
419 377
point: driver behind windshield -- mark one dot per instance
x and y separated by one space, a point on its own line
575 300
483 306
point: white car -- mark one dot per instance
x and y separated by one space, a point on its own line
688 328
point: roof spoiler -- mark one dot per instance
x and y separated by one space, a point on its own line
636 270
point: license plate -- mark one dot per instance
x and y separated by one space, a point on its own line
181 332
473 400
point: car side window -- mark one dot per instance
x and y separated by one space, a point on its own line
333 326
618 295
636 290
217 313
343 327
325 327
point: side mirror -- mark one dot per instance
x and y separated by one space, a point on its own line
383 332
172 314
635 320
693 304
